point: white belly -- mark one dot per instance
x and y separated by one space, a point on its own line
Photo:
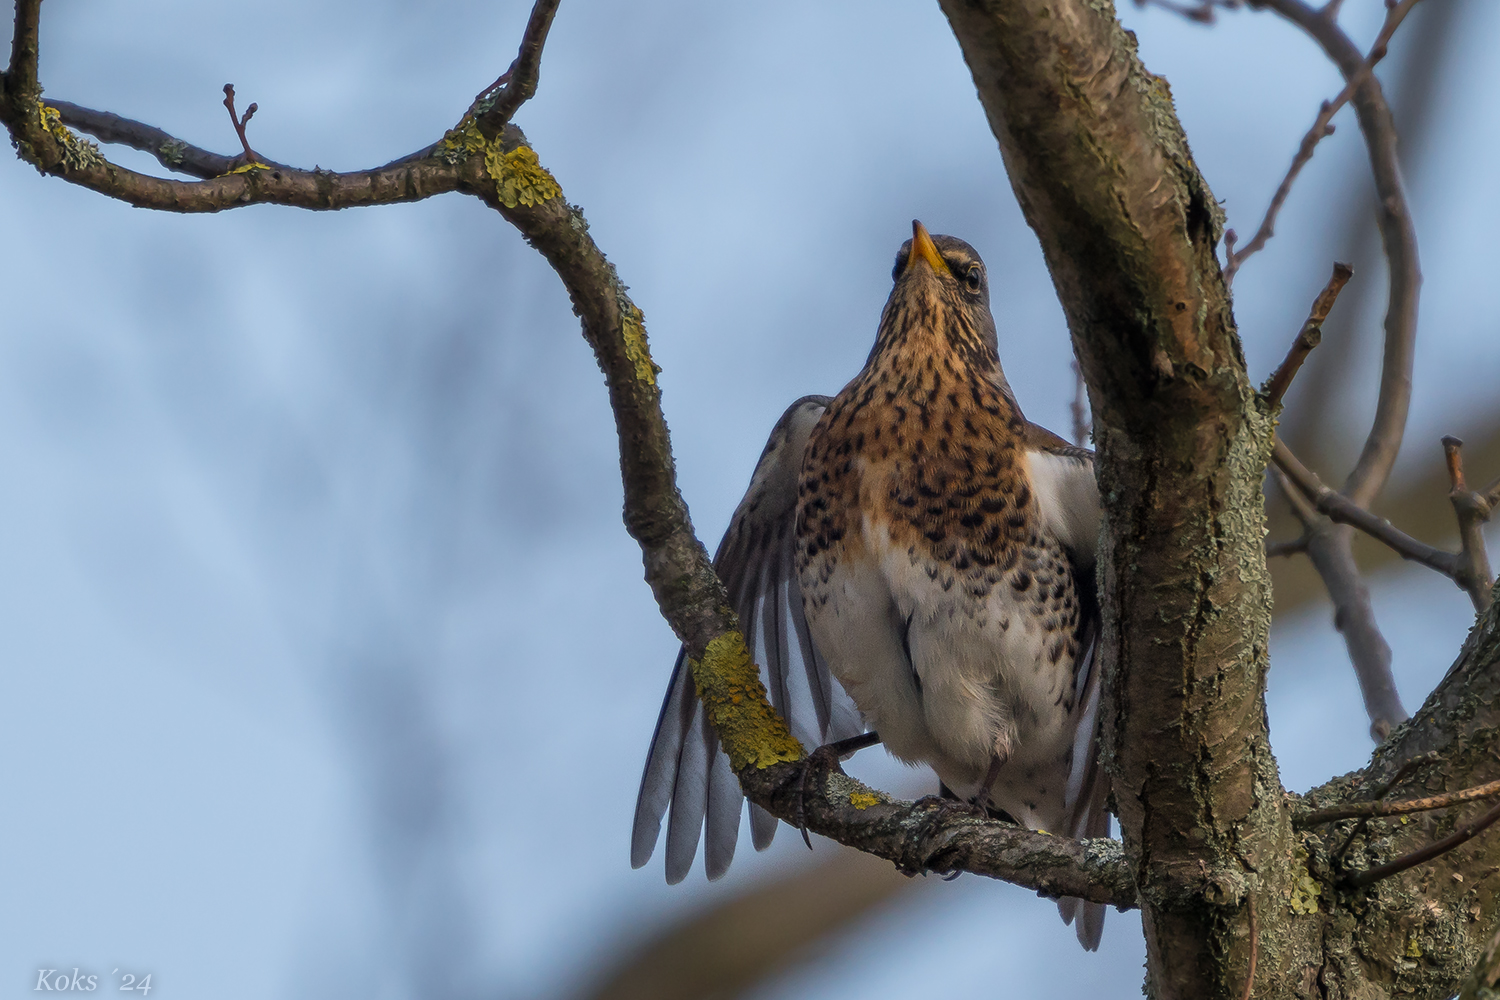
980 679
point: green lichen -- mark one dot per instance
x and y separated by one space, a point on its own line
77 154
1304 893
458 144
633 331
519 177
172 151
729 685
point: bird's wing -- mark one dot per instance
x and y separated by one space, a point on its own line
685 769
1063 477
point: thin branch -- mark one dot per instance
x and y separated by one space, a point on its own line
1423 855
1309 337
21 79
251 156
1341 509
1321 128
521 79
1203 12
1472 510
1294 547
170 152
1354 615
1491 494
1355 810
1398 234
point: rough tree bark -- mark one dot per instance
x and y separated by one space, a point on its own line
1103 173
1242 893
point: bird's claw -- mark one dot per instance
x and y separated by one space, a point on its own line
821 762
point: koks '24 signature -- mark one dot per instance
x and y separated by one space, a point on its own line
84 982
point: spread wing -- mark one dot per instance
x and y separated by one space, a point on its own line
685 769
1063 477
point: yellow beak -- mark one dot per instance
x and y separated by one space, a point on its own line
922 248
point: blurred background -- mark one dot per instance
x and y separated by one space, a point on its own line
328 666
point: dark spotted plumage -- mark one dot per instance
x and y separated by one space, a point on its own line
939 550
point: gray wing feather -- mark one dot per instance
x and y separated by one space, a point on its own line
1076 501
687 777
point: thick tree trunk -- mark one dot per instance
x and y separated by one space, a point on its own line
1128 226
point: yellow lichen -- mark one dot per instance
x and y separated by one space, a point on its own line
77 154
519 177
1413 948
245 168
459 143
729 685
863 800
633 330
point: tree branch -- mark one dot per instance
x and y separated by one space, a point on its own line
1472 510
1423 855
21 77
1380 808
521 79
506 175
1308 337
1398 233
1129 230
1342 510
1321 128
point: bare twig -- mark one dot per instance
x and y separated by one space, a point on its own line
170 152
1472 510
1342 510
1322 127
1426 804
1308 337
239 123
520 80
1204 11
1354 616
1407 768
1398 233
1423 855
1294 547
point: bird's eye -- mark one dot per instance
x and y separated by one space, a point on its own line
973 277
900 265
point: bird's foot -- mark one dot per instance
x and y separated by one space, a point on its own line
819 764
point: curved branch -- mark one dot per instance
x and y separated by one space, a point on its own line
1342 510
505 174
916 836
170 152
1321 129
1398 233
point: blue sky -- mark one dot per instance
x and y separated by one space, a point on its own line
315 591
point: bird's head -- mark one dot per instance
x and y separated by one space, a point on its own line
940 289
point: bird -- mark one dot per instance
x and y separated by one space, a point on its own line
914 558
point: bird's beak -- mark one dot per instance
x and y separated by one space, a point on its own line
922 248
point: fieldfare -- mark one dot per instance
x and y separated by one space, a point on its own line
913 556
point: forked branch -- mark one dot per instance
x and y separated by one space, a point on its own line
1322 127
